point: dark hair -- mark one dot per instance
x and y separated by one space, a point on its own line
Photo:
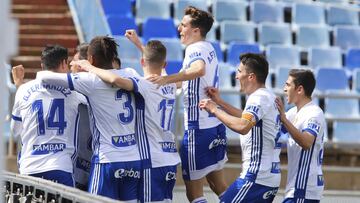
82 49
155 52
52 56
200 19
118 61
304 78
257 64
103 50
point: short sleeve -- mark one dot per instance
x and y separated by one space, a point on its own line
195 53
312 125
82 82
255 107
140 85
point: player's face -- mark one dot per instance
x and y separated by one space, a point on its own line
186 31
243 78
290 90
75 69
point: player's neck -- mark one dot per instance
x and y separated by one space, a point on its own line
255 87
302 102
148 70
196 39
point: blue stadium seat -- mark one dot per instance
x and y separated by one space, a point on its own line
352 58
356 81
174 50
173 67
331 79
180 5
115 7
262 11
159 28
235 49
118 24
237 31
219 53
225 75
126 49
281 75
134 64
325 57
341 107
347 36
312 36
342 16
229 10
308 13
275 33
346 132
279 55
152 8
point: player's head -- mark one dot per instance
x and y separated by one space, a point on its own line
194 25
81 54
300 84
252 71
54 58
102 51
154 55
116 63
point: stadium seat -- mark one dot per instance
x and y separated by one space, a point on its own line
281 75
118 24
274 33
152 8
341 107
159 28
132 63
219 53
225 75
180 5
312 36
237 31
352 58
235 49
308 13
229 10
346 132
356 81
173 67
263 11
174 50
342 16
126 49
119 8
211 35
279 55
347 36
331 79
325 57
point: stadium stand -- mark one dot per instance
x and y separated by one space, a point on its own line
237 31
152 8
308 13
331 79
167 26
352 58
173 67
262 11
275 33
119 8
325 57
229 10
126 49
174 50
347 36
279 55
312 36
342 15
235 49
119 24
180 5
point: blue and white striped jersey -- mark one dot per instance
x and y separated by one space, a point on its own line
112 114
305 176
194 90
155 110
45 116
260 147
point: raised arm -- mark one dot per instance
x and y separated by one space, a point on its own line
213 94
304 139
18 74
133 37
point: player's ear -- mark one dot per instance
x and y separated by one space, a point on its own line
142 61
90 59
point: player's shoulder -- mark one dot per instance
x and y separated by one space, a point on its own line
263 95
313 110
126 72
26 86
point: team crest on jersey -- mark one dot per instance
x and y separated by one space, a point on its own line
320 181
314 125
123 140
48 148
76 76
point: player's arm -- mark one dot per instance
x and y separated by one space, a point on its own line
59 79
196 69
240 125
213 94
133 37
305 139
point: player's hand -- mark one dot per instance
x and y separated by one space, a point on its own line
84 65
157 79
281 108
18 74
213 94
132 36
208 105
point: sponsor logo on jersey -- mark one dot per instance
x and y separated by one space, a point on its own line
253 109
48 148
123 140
168 146
314 125
270 193
217 142
122 173
83 164
275 167
167 89
170 176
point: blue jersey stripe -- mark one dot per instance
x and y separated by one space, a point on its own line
71 85
16 118
256 151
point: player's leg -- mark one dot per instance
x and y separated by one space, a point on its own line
128 177
295 200
217 182
101 181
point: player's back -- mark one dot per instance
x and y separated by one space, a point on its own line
112 114
49 125
194 90
158 105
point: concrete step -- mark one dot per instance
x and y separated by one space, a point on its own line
70 41
26 8
29 62
47 29
36 51
44 18
40 2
